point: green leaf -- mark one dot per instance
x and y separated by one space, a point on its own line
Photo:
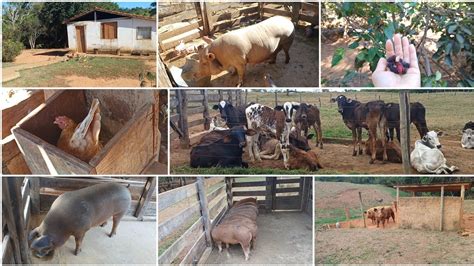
372 53
361 55
438 75
466 30
337 56
460 38
353 45
448 48
452 28
373 20
389 30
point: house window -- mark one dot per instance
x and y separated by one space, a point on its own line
143 33
109 30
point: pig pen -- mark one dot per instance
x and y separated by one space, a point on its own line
184 26
26 200
186 216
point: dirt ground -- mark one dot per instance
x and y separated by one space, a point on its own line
337 158
301 71
283 238
134 243
394 246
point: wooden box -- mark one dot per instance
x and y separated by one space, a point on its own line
129 132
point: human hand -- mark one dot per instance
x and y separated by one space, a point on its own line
383 77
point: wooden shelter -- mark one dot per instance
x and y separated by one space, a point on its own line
187 214
444 213
24 199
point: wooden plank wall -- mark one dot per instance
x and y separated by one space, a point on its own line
191 222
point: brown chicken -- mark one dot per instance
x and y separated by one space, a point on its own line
81 140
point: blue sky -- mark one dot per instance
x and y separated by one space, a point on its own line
133 4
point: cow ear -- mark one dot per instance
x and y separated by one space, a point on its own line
375 209
296 107
215 107
227 139
250 132
211 56
279 108
439 133
425 138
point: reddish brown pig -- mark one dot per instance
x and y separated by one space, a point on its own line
246 200
383 214
250 45
74 213
244 221
232 234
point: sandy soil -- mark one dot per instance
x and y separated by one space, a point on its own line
39 55
301 71
134 243
81 81
283 237
338 158
394 246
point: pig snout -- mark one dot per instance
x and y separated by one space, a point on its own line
42 246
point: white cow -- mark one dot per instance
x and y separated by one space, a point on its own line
427 158
467 140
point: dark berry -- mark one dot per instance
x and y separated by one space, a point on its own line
397 65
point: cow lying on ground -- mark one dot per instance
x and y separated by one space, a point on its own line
427 157
307 116
467 140
383 214
417 117
221 148
270 148
217 123
394 152
300 159
239 226
278 121
371 116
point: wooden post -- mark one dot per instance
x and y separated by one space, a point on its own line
246 92
362 208
276 98
202 14
441 215
205 113
14 188
183 117
405 130
348 213
269 194
145 197
34 194
461 211
260 7
221 97
306 188
229 96
228 189
7 216
201 192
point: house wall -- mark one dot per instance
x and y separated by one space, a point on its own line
424 213
126 35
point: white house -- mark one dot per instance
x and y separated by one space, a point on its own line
101 30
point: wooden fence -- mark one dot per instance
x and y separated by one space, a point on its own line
194 209
206 22
186 103
23 197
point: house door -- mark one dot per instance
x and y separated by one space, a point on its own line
81 39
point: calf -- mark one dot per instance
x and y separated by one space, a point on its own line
300 159
233 116
467 140
427 158
394 152
218 123
307 116
278 121
417 117
357 115
221 148
269 145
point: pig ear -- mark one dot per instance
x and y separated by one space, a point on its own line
250 132
211 56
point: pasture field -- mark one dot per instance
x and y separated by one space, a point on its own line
445 111
376 245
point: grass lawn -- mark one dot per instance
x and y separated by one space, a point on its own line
91 67
184 169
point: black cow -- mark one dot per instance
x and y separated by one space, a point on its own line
234 116
417 117
221 148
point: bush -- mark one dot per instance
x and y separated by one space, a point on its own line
11 49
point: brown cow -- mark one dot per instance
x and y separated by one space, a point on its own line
300 159
394 152
307 116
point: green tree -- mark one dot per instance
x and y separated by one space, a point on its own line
31 26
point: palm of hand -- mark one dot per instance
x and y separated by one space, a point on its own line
386 78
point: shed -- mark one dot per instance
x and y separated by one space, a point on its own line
432 213
101 30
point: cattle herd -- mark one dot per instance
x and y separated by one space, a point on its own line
283 133
239 226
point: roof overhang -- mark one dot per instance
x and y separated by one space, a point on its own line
100 14
434 187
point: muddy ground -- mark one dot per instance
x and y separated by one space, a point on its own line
283 238
301 71
392 246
